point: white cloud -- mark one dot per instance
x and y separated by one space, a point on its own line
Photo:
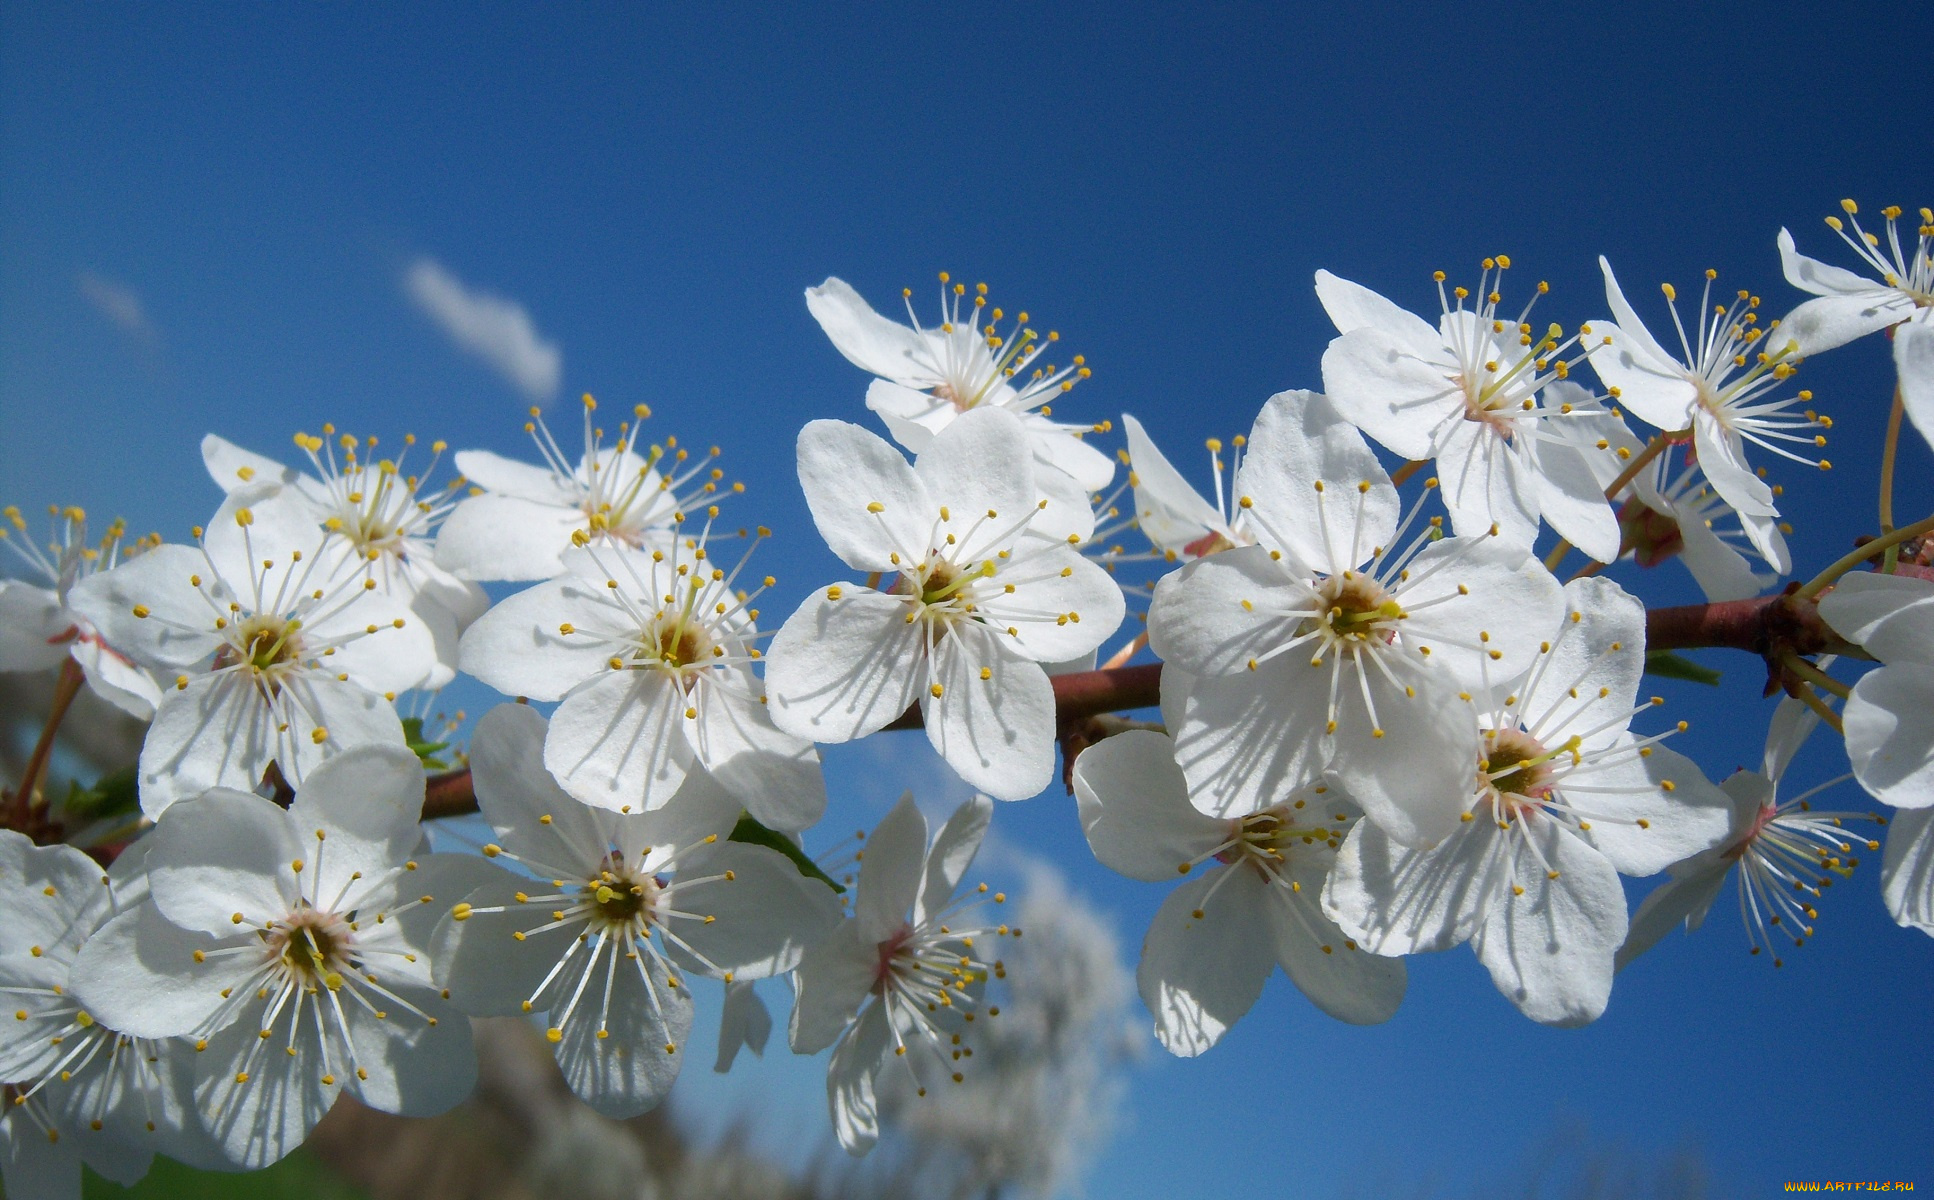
496 330
120 304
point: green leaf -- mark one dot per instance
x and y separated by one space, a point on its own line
1667 665
752 833
413 737
111 795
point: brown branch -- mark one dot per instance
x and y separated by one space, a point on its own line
1765 626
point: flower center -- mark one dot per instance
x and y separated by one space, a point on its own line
1264 840
889 966
314 947
262 644
1516 767
1356 609
681 643
620 899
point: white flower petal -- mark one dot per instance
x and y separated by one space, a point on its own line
1722 572
222 853
952 852
841 669
518 647
895 858
34 628
767 912
1414 779
869 341
416 1069
370 801
1550 950
1570 497
617 743
1216 615
1907 869
774 774
1630 334
1347 983
138 974
48 892
1304 471
1486 484
833 980
1663 811
1169 512
1199 975
1058 448
1671 905
507 477
1391 392
179 630
1134 807
116 679
1722 457
492 537
1062 605
1914 362
1890 616
259 1122
1351 306
1890 735
533 817
1466 587
997 733
233 468
856 1063
1397 900
1819 278
1590 678
982 461
845 470
629 1071
743 1021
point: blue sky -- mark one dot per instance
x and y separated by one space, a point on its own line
207 214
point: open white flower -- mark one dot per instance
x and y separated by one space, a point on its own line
930 377
1175 518
1467 394
276 655
1889 718
518 521
1218 936
902 979
114 1098
295 946
1721 386
1850 306
380 516
1565 800
974 609
1786 853
621 910
37 626
651 654
1333 646
1669 510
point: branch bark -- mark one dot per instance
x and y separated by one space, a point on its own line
1764 626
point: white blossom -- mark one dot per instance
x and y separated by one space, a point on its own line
652 655
1722 386
1851 306
614 916
113 1097
1565 799
1467 394
1889 718
38 627
1218 936
294 946
279 651
1175 518
974 608
1334 646
518 520
929 377
379 514
1786 853
902 980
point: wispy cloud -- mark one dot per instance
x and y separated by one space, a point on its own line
495 329
120 304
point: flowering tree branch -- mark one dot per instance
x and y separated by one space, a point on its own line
1767 626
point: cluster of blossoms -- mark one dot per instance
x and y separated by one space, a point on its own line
1387 727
